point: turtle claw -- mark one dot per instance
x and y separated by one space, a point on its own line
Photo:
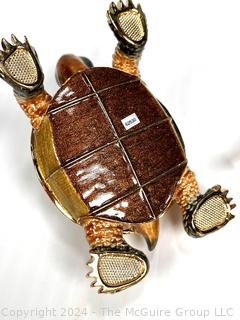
116 268
7 47
208 213
92 274
19 66
120 5
113 8
128 23
139 8
130 4
16 42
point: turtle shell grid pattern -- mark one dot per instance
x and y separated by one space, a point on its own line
123 175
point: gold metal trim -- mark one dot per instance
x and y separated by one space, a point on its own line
65 196
54 178
44 153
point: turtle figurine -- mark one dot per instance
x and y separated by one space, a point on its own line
108 153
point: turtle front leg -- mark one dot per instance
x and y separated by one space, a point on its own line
202 214
130 28
115 264
20 68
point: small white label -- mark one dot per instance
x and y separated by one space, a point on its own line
130 121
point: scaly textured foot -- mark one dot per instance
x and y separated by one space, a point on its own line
116 267
19 67
209 212
129 26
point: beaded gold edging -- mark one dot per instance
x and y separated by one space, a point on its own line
52 176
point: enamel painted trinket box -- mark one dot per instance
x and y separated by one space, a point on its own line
108 153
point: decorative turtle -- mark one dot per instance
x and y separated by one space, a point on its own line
108 153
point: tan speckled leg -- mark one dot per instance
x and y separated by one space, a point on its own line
126 62
187 189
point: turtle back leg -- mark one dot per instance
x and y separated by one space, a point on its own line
202 214
68 65
130 28
114 264
20 68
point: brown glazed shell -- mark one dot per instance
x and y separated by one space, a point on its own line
83 148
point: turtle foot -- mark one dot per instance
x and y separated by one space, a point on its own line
129 26
116 268
19 66
208 213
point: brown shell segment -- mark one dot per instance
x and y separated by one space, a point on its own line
132 209
102 177
158 155
125 175
80 129
104 78
66 94
158 190
131 98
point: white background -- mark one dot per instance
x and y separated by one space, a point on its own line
192 64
